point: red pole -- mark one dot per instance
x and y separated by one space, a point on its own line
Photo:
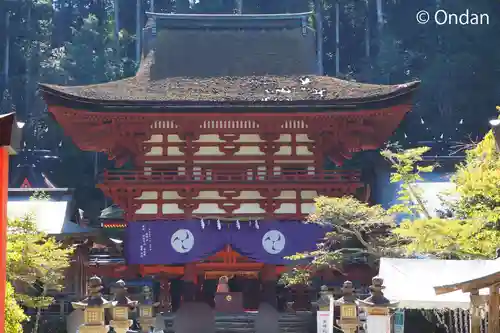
4 185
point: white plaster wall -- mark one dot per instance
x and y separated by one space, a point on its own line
158 150
307 208
153 199
212 209
171 208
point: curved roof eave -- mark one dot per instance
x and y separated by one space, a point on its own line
59 97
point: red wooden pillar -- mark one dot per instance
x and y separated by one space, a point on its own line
268 279
164 296
10 138
4 185
190 281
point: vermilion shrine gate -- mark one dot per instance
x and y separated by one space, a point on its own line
221 142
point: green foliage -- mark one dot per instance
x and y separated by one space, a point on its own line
14 315
40 195
474 230
296 276
478 182
407 169
36 264
90 57
34 260
447 238
357 230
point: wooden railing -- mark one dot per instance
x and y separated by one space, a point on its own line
228 176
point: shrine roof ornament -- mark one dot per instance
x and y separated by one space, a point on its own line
229 20
28 175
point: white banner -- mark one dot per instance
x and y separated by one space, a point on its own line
323 319
378 324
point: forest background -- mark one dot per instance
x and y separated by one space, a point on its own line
80 42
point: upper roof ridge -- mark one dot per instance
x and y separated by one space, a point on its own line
284 16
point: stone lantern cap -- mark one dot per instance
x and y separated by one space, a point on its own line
348 294
95 298
324 297
120 295
147 297
324 290
377 298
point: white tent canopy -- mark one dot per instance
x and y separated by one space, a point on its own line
412 281
50 217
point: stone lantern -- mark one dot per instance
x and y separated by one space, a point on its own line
120 310
324 315
146 310
93 307
349 320
377 307
323 301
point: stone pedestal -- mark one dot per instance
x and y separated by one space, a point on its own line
146 324
93 329
378 320
120 326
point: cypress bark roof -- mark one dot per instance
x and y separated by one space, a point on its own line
256 89
227 59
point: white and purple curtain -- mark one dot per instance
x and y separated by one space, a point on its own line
179 242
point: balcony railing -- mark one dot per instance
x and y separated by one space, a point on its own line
247 176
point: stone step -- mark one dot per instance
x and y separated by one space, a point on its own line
244 323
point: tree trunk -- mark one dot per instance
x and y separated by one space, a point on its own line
38 313
27 89
7 49
337 38
380 15
239 7
318 8
138 34
367 31
117 20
